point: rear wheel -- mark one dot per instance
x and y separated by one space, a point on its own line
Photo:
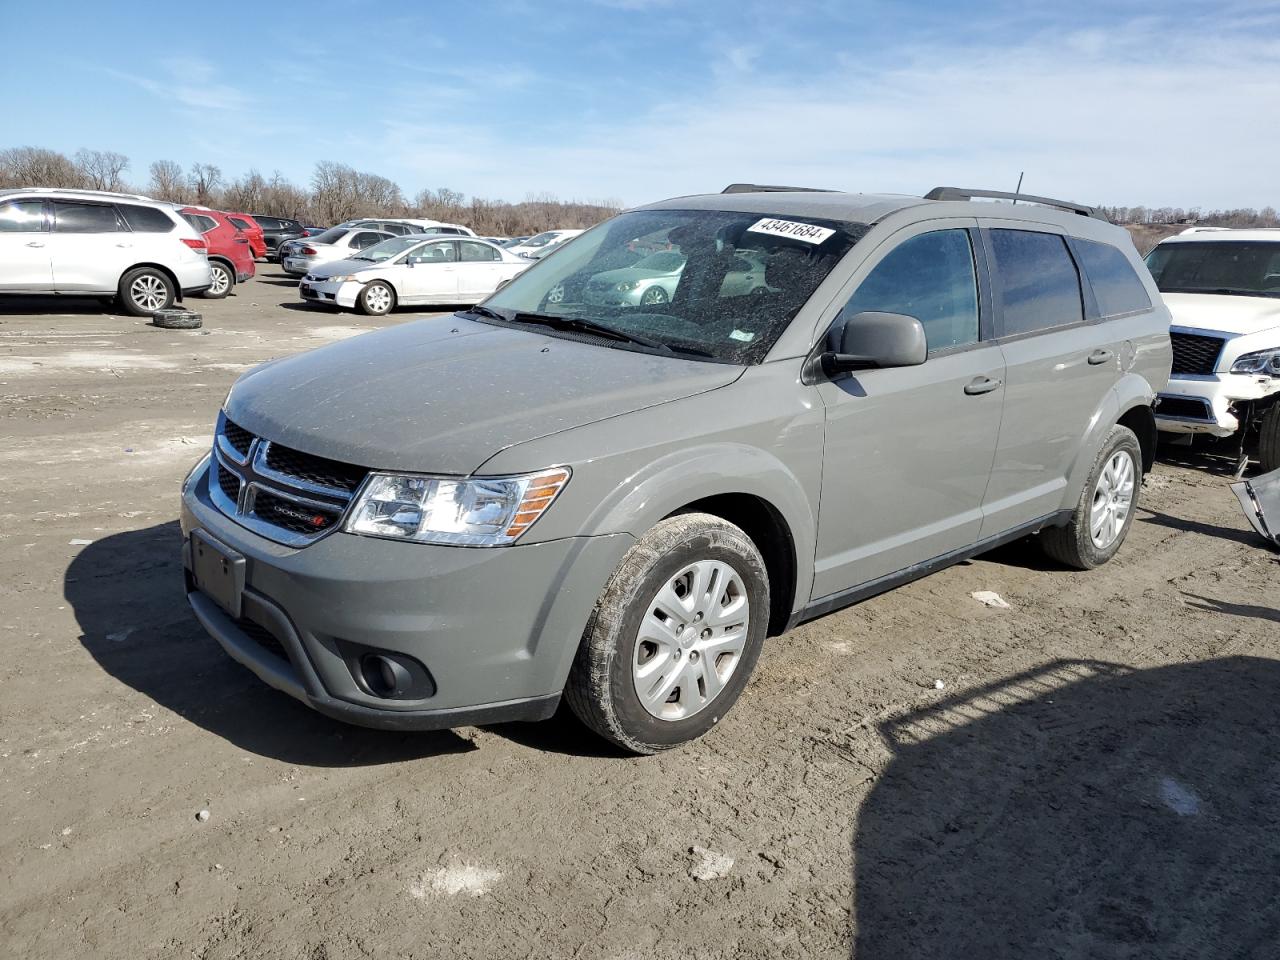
145 290
376 299
1105 510
1269 438
674 637
223 281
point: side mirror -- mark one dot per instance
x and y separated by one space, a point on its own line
872 339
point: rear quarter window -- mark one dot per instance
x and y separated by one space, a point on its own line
201 224
1116 286
145 219
1036 281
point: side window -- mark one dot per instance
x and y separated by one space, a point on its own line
450 230
477 252
199 224
1115 285
1036 281
238 223
930 277
22 216
434 253
145 219
362 240
268 223
70 217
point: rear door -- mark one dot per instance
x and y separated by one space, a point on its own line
25 262
908 450
479 270
1059 367
90 246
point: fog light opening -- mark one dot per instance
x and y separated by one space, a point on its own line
384 676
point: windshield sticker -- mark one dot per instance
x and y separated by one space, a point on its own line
742 335
790 228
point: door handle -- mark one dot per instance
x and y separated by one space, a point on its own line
36 243
1100 356
124 244
979 385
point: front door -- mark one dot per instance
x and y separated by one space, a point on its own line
24 247
90 247
430 273
908 450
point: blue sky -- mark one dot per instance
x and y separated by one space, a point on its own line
1173 103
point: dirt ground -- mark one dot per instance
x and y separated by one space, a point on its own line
1098 777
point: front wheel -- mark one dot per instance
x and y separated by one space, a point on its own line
674 637
654 296
1105 510
376 299
223 281
145 290
1269 439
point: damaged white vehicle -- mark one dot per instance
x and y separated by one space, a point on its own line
1223 289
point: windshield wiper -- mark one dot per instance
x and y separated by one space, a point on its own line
370 259
583 325
1230 291
484 312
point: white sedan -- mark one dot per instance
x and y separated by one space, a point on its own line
299 256
413 270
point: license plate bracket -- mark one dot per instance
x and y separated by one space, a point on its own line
218 572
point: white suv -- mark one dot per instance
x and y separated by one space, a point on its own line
93 244
1223 289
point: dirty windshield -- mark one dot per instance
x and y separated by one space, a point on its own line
1241 267
713 285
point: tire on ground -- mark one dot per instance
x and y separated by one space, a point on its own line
177 320
135 281
601 689
1072 545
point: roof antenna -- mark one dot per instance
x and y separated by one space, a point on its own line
1018 188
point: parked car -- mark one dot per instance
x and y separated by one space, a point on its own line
134 250
537 247
513 241
403 227
1223 288
300 256
464 519
652 280
405 271
230 257
275 231
257 240
314 231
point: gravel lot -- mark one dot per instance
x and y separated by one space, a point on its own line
1098 776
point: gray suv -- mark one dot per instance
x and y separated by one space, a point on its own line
464 519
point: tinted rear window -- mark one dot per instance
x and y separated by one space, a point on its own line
239 224
201 224
1115 284
145 219
70 217
268 223
1036 281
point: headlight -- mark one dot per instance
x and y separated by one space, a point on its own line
349 277
480 512
196 468
626 285
1265 362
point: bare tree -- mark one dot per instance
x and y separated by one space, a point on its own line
246 193
103 169
205 179
38 167
168 182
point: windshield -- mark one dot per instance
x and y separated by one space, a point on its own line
386 249
540 240
332 235
715 284
1248 268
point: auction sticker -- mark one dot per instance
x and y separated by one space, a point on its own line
790 228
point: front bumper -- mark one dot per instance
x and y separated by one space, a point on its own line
329 293
296 266
1206 404
495 628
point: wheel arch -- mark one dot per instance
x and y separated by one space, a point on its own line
173 277
1141 419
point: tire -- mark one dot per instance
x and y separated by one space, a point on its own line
1102 501
1269 438
654 296
223 281
377 299
144 290
632 642
177 320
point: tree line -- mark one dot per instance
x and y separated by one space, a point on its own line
337 192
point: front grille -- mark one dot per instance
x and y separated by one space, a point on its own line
284 494
305 466
1183 408
1194 353
237 436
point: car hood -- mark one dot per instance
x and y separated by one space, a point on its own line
1228 313
444 394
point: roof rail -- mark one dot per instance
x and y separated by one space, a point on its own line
765 188
960 193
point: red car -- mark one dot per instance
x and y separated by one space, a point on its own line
230 254
257 239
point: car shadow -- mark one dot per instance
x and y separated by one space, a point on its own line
25 306
1084 810
129 600
1154 517
280 280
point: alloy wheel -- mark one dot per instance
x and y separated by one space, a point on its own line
148 292
1112 499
